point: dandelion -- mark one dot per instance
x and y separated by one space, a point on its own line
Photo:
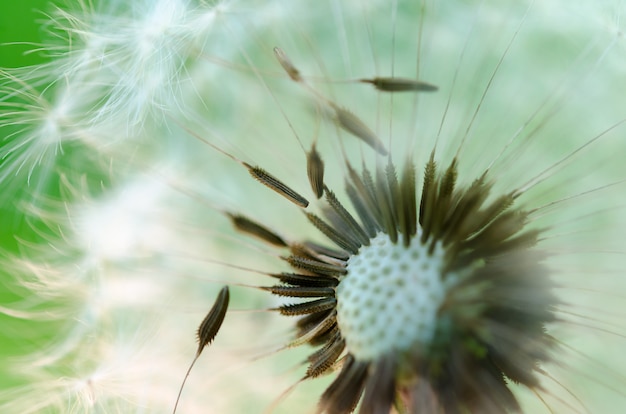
428 195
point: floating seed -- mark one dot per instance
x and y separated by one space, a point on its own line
207 331
275 184
351 123
285 62
389 84
315 171
246 225
213 320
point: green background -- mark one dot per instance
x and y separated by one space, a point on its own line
20 32
19 22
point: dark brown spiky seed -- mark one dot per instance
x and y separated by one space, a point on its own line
305 308
275 184
212 322
300 291
246 225
315 266
295 279
322 360
312 333
314 319
207 330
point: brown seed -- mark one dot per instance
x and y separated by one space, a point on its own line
315 266
285 62
301 291
408 197
343 394
342 240
246 225
308 322
348 222
390 84
365 214
351 123
323 360
315 171
295 279
213 320
380 387
311 333
275 184
306 308
206 332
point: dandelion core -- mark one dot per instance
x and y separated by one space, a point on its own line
389 299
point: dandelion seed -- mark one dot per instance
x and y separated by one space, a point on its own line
207 331
351 123
275 184
248 226
284 61
400 85
315 171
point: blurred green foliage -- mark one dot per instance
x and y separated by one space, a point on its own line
20 23
20 32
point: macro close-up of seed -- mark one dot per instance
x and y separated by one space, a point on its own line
378 207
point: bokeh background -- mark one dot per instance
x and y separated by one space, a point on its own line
20 30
